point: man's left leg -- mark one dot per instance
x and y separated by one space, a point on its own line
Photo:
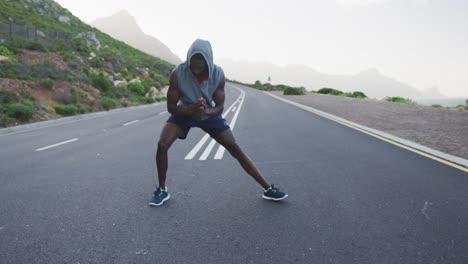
227 140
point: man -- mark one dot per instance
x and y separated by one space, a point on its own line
193 87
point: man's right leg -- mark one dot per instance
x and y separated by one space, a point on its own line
169 134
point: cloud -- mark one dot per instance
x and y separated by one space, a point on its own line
351 3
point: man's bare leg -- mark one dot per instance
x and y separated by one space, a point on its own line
169 134
227 140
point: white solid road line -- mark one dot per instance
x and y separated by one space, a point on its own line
58 144
234 109
129 123
200 144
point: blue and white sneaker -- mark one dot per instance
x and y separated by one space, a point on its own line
274 194
160 196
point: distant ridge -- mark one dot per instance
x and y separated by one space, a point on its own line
372 82
124 27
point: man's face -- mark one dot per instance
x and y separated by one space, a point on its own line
198 66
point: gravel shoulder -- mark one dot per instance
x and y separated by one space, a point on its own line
440 129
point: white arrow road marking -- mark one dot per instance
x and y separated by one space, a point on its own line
200 144
58 144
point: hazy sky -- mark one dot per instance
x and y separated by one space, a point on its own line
423 43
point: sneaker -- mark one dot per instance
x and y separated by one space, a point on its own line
274 194
159 197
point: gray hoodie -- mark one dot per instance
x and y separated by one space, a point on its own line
189 89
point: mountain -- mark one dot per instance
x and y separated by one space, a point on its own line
53 65
124 27
371 82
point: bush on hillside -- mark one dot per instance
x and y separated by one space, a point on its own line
359 95
19 111
400 100
136 88
4 51
101 82
48 84
66 110
148 83
293 91
330 91
8 97
108 103
36 45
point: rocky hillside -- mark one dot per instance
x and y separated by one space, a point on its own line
52 65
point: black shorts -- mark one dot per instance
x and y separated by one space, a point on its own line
212 125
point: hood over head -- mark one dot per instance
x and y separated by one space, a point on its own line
204 48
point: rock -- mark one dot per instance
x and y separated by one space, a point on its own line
40 34
92 54
120 84
163 91
135 80
64 19
111 78
4 59
153 93
91 39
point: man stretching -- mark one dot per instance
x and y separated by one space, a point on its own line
193 87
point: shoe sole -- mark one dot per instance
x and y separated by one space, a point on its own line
274 199
155 204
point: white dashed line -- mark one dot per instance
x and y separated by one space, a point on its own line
58 144
129 123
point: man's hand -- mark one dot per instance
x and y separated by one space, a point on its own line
201 105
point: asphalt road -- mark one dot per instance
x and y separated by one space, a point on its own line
352 198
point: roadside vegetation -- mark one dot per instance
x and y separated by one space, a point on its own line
288 90
68 68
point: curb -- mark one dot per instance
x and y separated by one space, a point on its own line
64 120
459 163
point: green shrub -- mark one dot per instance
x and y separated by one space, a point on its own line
4 51
48 84
8 97
83 94
101 82
359 95
66 55
460 108
71 78
136 88
5 120
146 100
66 110
330 91
437 106
35 45
83 109
400 100
293 91
108 103
148 83
19 111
